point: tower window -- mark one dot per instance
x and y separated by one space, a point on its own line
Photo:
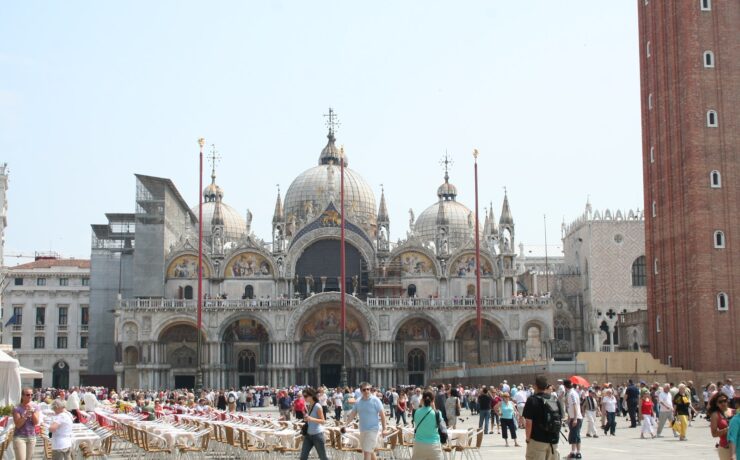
639 275
655 266
719 239
706 5
652 154
650 101
712 120
715 179
655 209
723 303
647 49
708 59
657 323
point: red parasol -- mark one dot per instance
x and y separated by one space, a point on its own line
580 381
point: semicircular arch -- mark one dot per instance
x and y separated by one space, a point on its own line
425 253
545 330
184 265
172 321
458 326
425 328
463 265
298 247
249 263
228 323
316 301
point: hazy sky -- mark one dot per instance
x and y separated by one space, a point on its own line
93 92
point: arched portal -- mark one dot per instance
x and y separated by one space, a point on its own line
318 269
493 346
320 337
418 335
245 352
60 375
180 343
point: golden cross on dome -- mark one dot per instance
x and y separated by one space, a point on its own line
332 121
213 158
447 162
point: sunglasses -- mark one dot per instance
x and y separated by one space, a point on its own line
27 394
365 389
722 401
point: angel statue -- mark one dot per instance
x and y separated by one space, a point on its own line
412 218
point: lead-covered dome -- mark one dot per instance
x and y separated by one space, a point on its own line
234 225
309 193
458 219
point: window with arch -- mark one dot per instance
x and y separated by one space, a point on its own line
562 329
654 209
650 101
247 361
188 292
708 59
639 273
248 292
417 361
657 323
647 49
706 5
470 290
652 154
719 239
712 119
723 303
411 290
715 179
655 266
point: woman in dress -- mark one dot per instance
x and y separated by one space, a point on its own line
452 408
718 411
314 437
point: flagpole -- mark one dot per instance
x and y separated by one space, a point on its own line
343 284
478 318
199 302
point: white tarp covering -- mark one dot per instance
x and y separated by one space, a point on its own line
27 373
10 380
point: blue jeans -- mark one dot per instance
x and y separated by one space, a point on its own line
313 440
611 423
484 417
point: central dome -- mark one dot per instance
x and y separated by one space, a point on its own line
310 193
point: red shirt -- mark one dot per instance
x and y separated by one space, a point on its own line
647 407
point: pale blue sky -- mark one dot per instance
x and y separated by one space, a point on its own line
93 92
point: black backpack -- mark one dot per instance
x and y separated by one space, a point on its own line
552 419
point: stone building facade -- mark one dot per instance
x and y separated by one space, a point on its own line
690 93
272 308
46 318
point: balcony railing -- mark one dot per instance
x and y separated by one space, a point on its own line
516 302
40 327
17 327
208 304
83 327
62 327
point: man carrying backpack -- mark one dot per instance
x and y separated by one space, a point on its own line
543 417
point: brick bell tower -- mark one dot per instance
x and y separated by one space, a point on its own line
690 94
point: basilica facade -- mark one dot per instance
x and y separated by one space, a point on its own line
271 312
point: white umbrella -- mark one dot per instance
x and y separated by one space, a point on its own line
27 373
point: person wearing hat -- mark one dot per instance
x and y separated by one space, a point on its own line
589 407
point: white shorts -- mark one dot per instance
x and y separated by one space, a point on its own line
368 440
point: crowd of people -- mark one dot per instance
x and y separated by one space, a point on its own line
545 412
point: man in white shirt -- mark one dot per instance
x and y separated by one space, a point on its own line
665 407
73 404
575 418
505 388
729 391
